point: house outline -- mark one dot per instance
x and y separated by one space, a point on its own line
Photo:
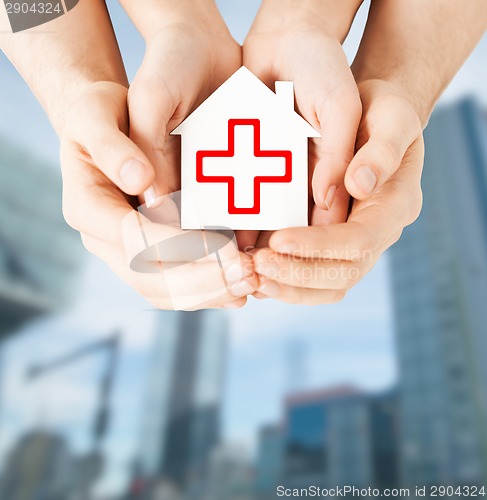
245 100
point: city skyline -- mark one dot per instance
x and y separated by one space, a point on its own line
439 272
352 341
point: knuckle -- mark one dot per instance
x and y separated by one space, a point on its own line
102 149
412 120
293 295
363 247
307 274
416 206
355 273
71 215
348 98
212 283
396 237
334 297
355 105
159 303
88 243
390 156
338 296
136 95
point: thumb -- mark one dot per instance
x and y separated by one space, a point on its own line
379 158
120 159
95 125
339 121
155 107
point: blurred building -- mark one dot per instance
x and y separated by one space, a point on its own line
230 474
181 421
440 290
331 437
39 467
38 251
269 466
39 464
295 363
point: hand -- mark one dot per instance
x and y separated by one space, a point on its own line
96 157
297 44
319 264
184 63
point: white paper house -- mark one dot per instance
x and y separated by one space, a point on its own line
244 158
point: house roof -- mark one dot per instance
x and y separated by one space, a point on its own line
231 89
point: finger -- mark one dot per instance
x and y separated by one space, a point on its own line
246 239
92 204
319 274
339 119
163 92
303 296
263 240
326 96
338 212
147 244
184 286
95 207
369 227
197 285
348 241
236 304
394 127
151 106
108 217
96 128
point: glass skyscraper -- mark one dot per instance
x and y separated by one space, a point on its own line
269 466
332 437
38 251
181 421
439 274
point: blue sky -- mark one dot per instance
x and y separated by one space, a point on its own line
349 342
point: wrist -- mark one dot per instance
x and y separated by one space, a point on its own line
57 67
414 90
330 17
156 16
398 101
59 108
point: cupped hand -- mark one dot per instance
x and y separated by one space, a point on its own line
185 62
98 161
290 43
319 264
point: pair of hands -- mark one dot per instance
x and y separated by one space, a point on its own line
115 145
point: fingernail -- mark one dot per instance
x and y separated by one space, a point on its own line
150 196
132 174
330 197
241 289
366 178
270 288
234 273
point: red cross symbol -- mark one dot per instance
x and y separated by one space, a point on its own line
243 163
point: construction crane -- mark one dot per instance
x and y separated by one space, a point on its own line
91 464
